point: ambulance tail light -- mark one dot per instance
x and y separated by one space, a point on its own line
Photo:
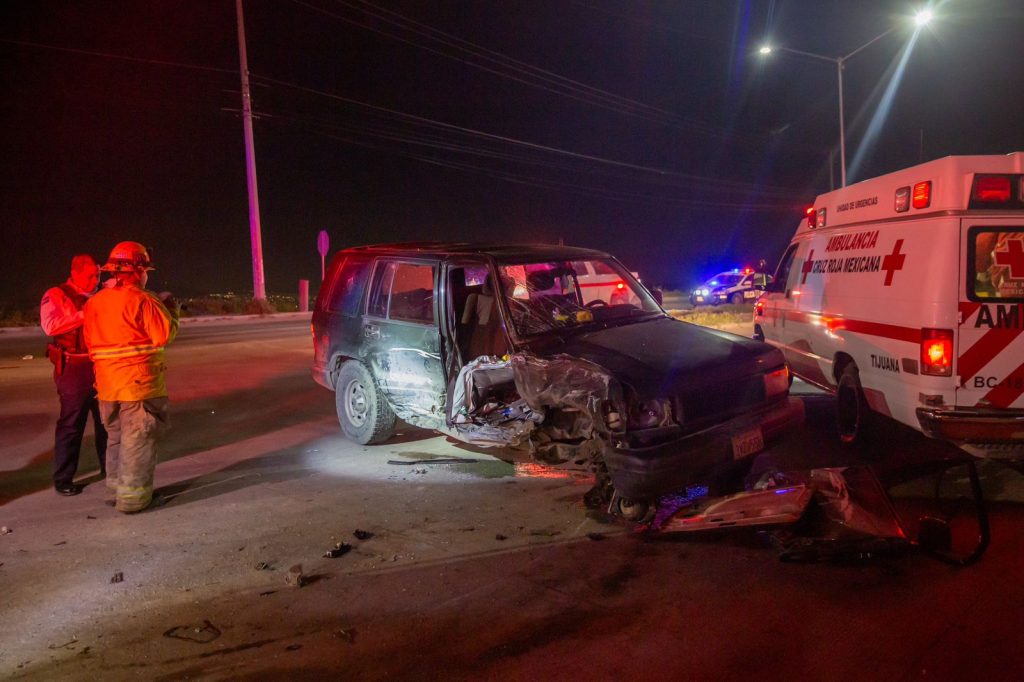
921 196
937 352
776 383
902 204
812 217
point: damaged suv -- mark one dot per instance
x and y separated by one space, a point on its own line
504 346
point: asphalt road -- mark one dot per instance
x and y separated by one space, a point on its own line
485 570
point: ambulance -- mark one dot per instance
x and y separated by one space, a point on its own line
904 296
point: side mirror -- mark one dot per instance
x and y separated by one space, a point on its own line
658 295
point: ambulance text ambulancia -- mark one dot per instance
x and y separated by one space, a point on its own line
905 294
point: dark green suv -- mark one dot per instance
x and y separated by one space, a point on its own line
505 346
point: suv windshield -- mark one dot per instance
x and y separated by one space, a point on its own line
553 295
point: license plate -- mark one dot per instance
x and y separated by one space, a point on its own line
750 294
747 443
700 299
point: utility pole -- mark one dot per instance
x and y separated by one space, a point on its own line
259 291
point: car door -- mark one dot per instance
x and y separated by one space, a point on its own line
401 337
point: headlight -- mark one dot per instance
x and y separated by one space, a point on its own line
647 414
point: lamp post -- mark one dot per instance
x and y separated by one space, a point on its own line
922 18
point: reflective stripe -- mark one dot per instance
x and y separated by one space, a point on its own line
126 351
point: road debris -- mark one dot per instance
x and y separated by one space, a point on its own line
118 577
4 530
263 566
844 513
267 593
437 460
362 534
62 542
340 549
27 357
349 635
295 578
499 536
545 532
597 537
65 645
200 634
90 517
293 647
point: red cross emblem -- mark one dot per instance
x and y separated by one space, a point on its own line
808 264
893 262
1012 258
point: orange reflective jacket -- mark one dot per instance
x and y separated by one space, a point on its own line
126 329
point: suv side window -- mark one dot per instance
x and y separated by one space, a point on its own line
403 292
349 285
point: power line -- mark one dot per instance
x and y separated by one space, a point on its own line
508 140
107 55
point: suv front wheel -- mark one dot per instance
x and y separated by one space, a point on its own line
363 412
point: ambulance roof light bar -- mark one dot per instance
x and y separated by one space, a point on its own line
997 190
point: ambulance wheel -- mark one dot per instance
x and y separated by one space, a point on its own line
363 411
736 299
852 412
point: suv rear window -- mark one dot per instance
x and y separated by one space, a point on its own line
349 284
403 292
996 264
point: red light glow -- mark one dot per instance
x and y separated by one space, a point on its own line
937 352
992 188
922 194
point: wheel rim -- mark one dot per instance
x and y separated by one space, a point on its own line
356 404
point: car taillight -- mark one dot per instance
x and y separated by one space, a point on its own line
937 352
776 383
921 197
994 189
759 307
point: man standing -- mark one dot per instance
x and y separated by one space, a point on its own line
126 329
60 315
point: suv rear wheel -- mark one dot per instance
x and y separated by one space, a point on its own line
736 298
363 412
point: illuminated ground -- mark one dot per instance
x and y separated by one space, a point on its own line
481 570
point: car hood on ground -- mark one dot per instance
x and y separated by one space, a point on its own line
664 357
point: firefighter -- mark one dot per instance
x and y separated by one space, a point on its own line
60 315
126 330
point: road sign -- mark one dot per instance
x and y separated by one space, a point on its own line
323 244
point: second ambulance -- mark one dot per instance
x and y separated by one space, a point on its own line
904 296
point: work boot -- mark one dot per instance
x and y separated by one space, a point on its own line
67 489
157 500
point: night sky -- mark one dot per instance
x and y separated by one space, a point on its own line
652 130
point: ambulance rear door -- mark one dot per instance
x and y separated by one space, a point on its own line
990 352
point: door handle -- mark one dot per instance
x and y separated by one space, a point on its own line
371 331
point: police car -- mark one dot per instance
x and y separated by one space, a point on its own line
731 287
904 296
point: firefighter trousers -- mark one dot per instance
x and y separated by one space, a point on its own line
133 427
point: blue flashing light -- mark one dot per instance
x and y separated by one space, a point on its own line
713 282
736 270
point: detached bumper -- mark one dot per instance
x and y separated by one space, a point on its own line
973 425
647 473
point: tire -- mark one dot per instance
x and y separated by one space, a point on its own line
363 411
633 511
853 416
736 298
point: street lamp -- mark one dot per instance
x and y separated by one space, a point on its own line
921 18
